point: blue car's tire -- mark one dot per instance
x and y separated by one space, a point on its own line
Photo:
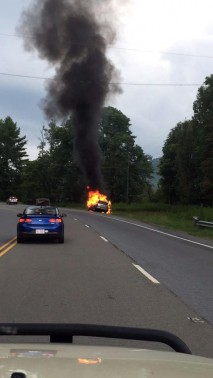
61 239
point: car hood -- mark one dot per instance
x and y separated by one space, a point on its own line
59 360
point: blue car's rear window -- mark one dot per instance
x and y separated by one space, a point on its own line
41 211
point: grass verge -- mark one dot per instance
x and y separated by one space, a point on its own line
169 216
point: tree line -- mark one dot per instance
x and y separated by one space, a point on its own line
186 167
56 174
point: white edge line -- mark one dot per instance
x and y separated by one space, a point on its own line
104 239
163 233
86 225
146 274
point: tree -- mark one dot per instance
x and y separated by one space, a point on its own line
186 165
203 125
35 179
176 165
64 179
185 162
13 157
168 168
126 168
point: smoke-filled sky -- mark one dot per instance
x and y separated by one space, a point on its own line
72 36
157 42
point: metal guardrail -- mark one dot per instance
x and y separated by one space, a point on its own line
196 220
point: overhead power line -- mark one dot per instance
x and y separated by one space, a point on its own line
162 52
111 83
134 49
159 84
26 76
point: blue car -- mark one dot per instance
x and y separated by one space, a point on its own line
40 222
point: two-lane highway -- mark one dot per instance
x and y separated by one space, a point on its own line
91 279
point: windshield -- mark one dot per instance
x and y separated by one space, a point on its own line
106 156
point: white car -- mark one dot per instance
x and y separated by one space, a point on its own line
12 201
100 206
61 358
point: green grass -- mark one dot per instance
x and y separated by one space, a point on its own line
173 217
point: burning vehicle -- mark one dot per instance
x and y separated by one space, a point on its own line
98 202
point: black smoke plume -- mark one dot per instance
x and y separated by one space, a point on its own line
73 35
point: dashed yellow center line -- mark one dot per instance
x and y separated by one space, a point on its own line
8 246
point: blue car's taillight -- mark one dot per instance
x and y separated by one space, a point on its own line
25 220
55 220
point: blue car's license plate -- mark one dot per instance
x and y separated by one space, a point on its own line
40 231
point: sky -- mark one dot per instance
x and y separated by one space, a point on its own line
163 51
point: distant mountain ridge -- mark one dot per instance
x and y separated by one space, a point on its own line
155 175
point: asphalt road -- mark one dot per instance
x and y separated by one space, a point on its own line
183 263
92 278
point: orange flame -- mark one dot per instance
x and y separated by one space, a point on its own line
95 196
89 361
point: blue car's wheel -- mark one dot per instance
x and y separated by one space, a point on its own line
61 239
19 240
